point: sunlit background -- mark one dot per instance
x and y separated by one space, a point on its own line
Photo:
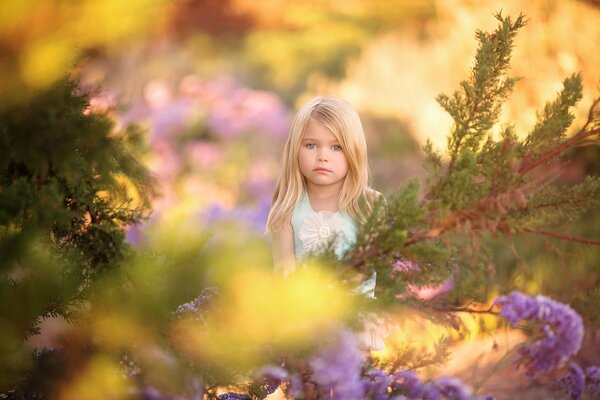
214 84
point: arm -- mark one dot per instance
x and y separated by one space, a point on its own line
283 250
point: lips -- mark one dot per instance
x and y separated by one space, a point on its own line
321 170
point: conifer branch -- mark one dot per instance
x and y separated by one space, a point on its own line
562 237
557 150
466 310
561 147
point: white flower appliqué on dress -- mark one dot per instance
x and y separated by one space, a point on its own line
320 229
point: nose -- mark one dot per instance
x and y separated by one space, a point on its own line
322 154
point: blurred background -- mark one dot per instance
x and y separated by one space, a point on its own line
214 84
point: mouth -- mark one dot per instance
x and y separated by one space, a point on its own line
321 170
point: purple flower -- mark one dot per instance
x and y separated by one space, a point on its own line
376 383
337 368
592 387
295 388
402 265
409 385
452 388
198 308
254 217
233 396
272 376
517 307
560 331
572 384
151 393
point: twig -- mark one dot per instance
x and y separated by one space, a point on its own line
561 147
563 237
467 310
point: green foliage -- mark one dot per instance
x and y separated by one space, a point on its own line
586 304
552 124
66 182
476 109
493 183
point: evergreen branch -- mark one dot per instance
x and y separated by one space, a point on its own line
466 309
562 237
557 150
576 202
561 147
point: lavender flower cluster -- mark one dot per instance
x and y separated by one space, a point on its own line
572 384
560 331
407 385
337 369
576 382
198 308
559 339
592 376
375 384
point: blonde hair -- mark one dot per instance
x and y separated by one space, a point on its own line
343 121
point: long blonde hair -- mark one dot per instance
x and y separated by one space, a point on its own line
343 121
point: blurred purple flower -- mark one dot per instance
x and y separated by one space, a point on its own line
272 376
164 115
295 388
199 308
260 179
167 120
412 387
452 388
592 375
254 217
165 162
204 154
376 383
102 103
402 265
233 396
560 328
150 393
337 368
268 114
234 109
429 292
572 384
135 235
405 266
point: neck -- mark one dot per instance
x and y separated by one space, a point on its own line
324 197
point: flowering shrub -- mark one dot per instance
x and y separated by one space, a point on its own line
572 384
336 369
592 376
560 331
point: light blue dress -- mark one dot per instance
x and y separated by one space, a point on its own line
314 231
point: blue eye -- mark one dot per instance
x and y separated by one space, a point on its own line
336 147
311 146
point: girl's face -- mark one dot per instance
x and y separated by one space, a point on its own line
321 158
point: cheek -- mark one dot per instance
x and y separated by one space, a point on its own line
302 159
344 161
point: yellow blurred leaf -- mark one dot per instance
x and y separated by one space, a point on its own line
45 61
100 380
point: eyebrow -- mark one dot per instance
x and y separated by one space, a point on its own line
310 139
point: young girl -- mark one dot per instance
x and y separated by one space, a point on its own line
322 193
